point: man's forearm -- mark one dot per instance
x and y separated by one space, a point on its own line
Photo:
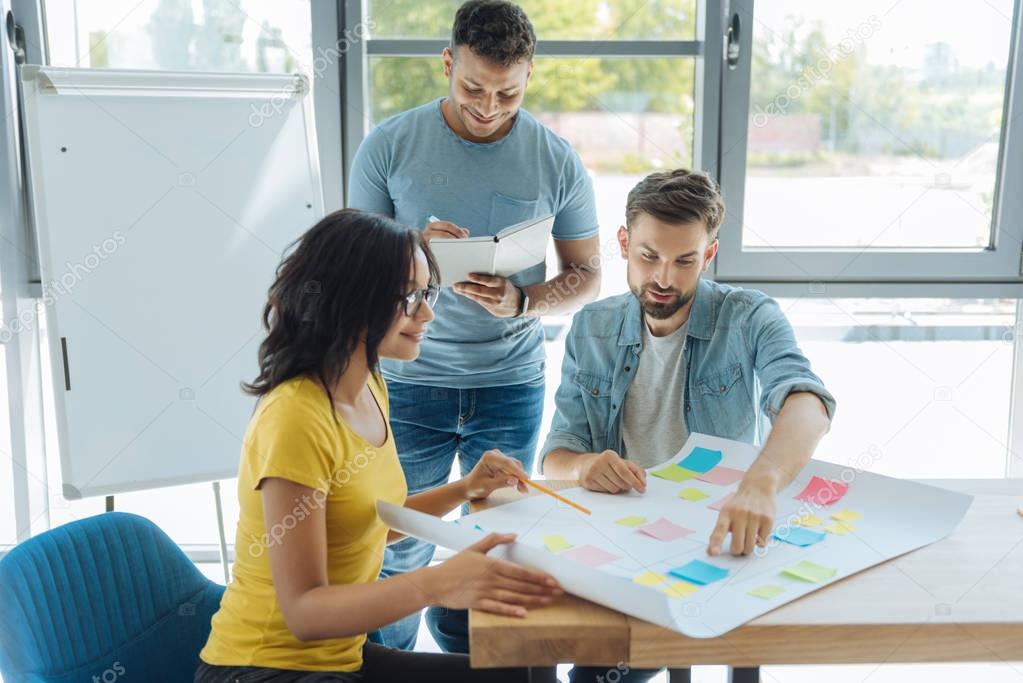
562 463
798 428
569 290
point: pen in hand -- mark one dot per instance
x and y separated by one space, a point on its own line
448 231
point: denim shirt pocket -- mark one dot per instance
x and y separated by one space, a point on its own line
595 391
721 401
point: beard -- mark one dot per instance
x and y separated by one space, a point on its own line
657 310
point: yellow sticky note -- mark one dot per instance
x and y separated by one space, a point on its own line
556 543
649 578
847 516
839 528
767 592
809 520
632 520
679 589
692 494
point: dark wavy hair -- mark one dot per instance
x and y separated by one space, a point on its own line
341 281
495 29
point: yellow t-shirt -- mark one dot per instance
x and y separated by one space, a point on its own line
294 435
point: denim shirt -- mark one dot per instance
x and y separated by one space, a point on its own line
741 360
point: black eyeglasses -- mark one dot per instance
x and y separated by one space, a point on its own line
414 299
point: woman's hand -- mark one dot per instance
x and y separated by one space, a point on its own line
471 580
495 470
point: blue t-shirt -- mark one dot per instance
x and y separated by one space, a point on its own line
413 165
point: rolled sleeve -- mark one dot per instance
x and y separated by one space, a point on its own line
778 360
773 401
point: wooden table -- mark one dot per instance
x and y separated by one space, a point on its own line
957 600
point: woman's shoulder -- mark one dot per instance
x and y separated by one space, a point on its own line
299 399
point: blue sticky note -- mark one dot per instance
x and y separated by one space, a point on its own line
699 572
797 535
701 460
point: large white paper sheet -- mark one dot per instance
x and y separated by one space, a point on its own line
896 516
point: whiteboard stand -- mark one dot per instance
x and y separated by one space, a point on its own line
220 529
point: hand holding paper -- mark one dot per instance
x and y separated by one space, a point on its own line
471 580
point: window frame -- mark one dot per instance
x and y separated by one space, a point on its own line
995 271
707 95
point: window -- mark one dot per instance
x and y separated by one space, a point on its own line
900 121
572 19
180 35
923 385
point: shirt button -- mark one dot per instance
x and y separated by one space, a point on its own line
688 408
595 392
627 368
723 387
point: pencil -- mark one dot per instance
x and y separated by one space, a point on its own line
549 492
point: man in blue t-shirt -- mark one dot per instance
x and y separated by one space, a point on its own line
477 163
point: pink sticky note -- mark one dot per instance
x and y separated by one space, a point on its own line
663 530
722 476
590 555
721 503
823 491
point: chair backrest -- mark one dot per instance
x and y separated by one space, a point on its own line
101 599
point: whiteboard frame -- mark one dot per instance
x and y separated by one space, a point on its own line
40 81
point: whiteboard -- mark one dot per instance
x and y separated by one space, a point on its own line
162 205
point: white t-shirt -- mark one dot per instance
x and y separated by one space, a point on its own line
653 421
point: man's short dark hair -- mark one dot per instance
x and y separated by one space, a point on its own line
494 29
679 196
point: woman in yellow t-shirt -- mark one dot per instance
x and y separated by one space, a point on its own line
317 456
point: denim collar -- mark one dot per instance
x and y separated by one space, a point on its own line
701 317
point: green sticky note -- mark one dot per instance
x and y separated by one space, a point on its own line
810 571
631 520
674 473
556 543
767 592
692 494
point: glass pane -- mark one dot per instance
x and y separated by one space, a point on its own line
562 20
625 118
923 385
181 35
871 109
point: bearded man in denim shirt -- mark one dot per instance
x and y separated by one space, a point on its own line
681 354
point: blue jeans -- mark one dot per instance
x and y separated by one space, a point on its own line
431 425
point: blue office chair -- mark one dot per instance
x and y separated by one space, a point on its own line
106 598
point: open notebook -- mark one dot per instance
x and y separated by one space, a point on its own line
510 251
